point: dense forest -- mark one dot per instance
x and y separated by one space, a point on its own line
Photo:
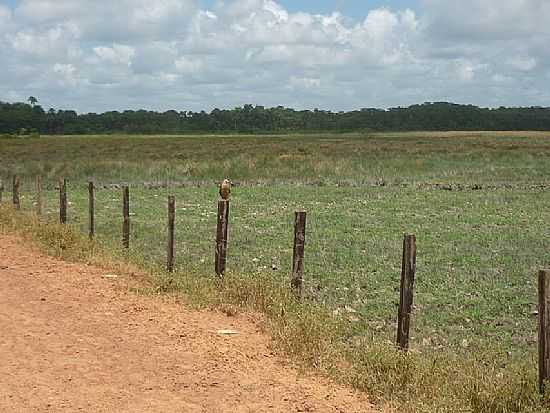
20 118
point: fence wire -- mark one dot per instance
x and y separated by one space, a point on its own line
478 252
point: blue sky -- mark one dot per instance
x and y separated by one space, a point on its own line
356 9
11 3
94 55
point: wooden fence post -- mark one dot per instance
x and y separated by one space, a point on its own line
221 237
298 251
408 269
1 189
544 329
63 201
38 195
171 233
16 185
126 217
91 210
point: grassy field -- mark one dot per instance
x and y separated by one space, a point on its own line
465 158
477 203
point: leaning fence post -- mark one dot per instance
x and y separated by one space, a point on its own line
16 184
1 189
63 201
544 329
91 210
126 217
38 195
298 251
171 233
408 269
221 237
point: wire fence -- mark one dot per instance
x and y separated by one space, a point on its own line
478 252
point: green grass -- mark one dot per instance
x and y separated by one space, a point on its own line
475 157
478 250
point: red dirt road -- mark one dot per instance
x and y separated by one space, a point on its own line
72 340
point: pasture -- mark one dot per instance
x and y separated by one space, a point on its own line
477 202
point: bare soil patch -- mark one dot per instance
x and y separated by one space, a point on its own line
72 339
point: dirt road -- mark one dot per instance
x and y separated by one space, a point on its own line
74 340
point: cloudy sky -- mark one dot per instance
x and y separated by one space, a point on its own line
98 55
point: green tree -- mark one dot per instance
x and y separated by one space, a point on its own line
32 100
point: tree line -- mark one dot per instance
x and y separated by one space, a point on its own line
15 117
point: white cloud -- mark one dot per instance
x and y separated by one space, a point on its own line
523 63
45 11
305 82
97 55
467 70
5 18
115 54
490 19
280 14
380 24
55 42
114 21
66 74
154 11
497 77
385 37
154 57
185 64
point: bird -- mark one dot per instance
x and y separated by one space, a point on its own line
225 189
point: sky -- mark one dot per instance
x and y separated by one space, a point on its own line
99 55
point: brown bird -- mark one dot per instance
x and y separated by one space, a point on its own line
225 189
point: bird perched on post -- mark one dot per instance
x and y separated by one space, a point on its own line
225 189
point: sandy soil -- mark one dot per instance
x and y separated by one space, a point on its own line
73 340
